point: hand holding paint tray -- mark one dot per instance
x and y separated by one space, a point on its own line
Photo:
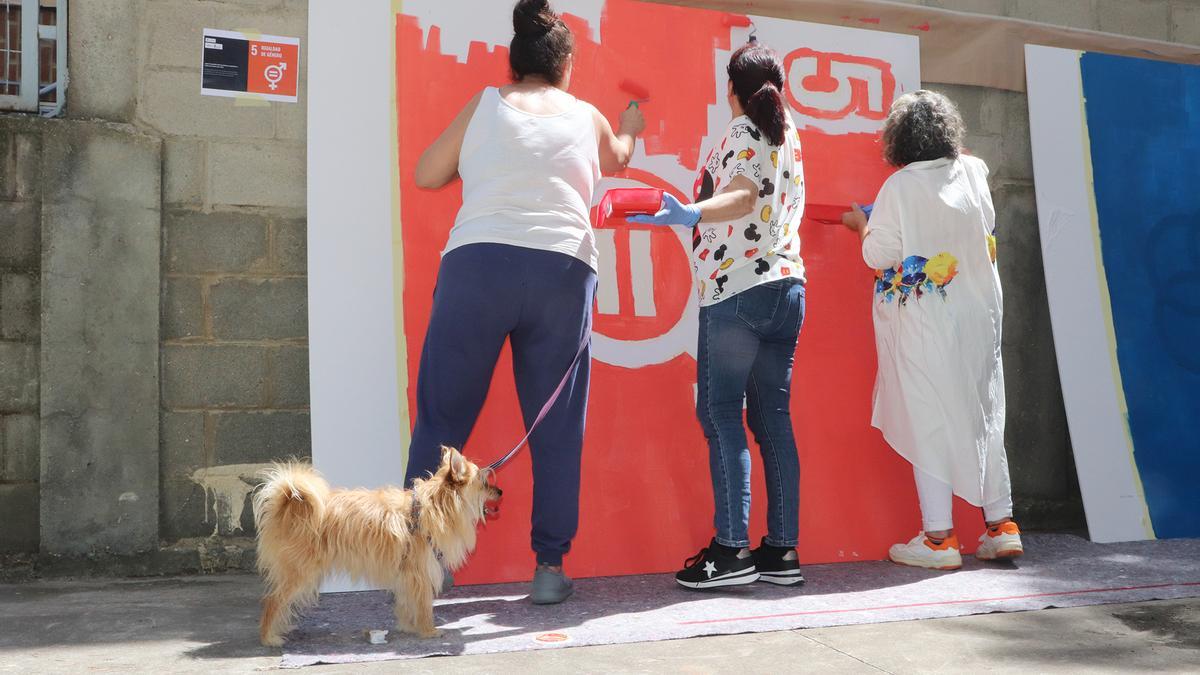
625 202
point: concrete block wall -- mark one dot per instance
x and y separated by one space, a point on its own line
20 301
1166 20
79 289
205 198
234 292
101 233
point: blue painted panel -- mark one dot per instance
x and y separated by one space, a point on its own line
1144 124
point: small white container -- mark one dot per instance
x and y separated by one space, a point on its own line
377 637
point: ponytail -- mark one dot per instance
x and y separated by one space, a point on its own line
765 108
757 77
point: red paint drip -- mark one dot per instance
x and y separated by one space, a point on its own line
925 27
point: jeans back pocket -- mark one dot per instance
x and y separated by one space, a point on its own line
758 307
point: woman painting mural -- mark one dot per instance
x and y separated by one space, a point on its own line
750 278
520 264
939 392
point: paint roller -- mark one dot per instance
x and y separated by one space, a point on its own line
741 21
637 92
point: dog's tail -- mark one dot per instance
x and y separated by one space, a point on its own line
289 508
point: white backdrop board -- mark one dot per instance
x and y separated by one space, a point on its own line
358 436
1066 214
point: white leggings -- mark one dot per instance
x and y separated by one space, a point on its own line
937 499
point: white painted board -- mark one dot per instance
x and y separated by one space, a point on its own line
1077 292
357 433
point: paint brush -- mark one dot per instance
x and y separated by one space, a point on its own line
637 92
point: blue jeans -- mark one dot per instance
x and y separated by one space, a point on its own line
541 302
747 344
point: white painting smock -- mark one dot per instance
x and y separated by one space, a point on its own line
939 390
528 179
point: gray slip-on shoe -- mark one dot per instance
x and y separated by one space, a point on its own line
550 587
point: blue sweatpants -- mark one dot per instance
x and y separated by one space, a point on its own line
542 302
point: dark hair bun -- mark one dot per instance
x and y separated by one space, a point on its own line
532 18
541 45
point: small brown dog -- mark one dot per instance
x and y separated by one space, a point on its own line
390 538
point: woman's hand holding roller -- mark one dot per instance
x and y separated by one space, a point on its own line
672 212
632 122
616 149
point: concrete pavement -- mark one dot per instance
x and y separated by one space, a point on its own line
208 624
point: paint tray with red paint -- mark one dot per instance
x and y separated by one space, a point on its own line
825 213
625 202
830 214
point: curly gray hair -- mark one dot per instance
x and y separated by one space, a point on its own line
922 125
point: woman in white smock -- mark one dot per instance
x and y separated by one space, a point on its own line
939 391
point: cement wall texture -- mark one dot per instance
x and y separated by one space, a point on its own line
234 356
153 325
20 336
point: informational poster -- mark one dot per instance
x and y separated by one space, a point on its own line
240 64
646 501
1118 217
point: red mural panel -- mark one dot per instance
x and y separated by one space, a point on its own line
646 501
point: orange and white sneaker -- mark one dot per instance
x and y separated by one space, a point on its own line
1000 541
923 552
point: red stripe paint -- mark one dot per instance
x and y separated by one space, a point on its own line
935 604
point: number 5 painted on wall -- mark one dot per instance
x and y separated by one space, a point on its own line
830 86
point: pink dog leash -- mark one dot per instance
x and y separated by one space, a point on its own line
495 466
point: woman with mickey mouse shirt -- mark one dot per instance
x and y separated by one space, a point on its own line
750 279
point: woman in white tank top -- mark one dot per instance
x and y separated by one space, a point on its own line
520 265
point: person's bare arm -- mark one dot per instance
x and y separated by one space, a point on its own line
616 149
735 201
438 165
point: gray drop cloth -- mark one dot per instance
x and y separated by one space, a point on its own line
1056 571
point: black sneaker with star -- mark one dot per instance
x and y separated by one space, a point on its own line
777 565
717 566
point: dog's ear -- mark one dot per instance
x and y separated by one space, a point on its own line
458 467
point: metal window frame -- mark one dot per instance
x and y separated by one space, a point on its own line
31 34
58 33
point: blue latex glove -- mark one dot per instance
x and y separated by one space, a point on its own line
672 213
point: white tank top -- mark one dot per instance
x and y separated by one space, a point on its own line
528 179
